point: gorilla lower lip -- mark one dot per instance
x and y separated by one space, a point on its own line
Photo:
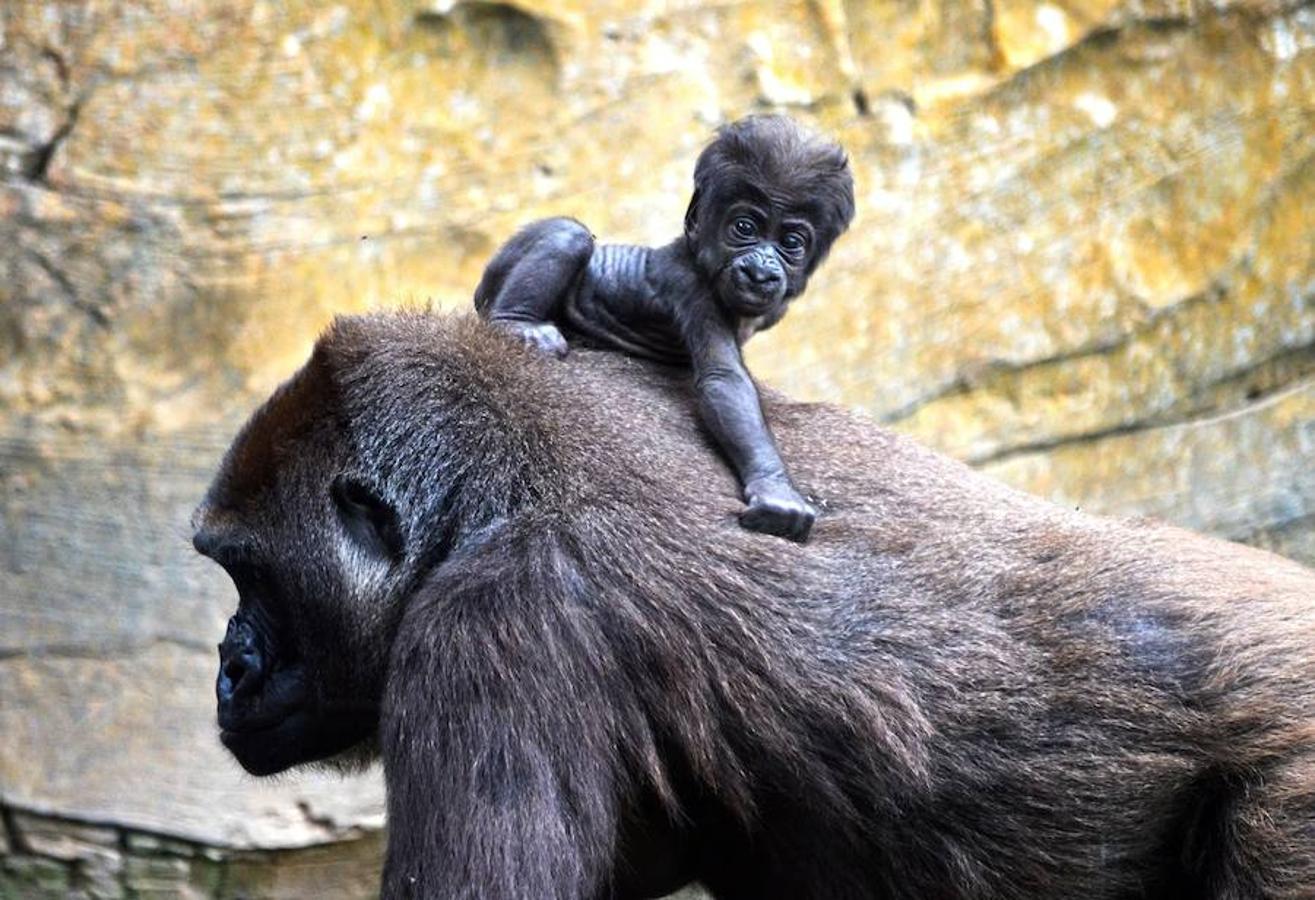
255 724
760 296
754 307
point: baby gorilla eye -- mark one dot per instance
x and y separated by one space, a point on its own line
794 240
744 227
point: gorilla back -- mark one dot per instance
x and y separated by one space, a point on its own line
461 556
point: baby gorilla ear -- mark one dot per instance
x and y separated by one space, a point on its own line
692 214
370 520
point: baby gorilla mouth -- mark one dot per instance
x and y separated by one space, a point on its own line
751 294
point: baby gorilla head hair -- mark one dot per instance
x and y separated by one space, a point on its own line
769 201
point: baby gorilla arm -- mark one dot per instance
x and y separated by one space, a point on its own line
731 411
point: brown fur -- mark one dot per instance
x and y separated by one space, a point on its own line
954 690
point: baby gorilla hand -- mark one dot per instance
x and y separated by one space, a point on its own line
542 336
775 507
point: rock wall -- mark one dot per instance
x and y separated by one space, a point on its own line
1083 261
57 859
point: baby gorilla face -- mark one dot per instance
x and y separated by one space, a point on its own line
769 200
764 255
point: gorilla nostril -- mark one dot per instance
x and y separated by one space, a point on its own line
248 667
239 675
224 687
234 669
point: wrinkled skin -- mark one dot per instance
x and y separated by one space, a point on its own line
768 203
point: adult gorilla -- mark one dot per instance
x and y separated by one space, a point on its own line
522 580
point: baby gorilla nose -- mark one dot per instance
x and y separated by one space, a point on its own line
757 282
761 272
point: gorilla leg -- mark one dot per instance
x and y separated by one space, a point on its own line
527 278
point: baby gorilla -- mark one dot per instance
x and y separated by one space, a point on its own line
769 201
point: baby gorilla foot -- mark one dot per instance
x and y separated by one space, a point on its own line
775 507
542 336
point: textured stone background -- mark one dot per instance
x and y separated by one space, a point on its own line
1084 260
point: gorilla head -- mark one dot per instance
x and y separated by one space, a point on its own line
285 484
769 201
330 507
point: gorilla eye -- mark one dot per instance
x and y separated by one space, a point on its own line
794 240
744 227
368 518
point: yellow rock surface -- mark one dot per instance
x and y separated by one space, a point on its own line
1084 257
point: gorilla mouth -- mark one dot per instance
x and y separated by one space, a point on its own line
278 739
266 748
282 695
754 298
267 730
266 720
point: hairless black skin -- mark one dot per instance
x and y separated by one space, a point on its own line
769 200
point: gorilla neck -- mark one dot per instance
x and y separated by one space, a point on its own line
676 266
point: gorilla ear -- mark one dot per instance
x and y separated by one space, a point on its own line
370 520
692 214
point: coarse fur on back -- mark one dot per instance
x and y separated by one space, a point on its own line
954 690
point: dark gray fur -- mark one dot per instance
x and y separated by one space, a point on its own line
953 691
